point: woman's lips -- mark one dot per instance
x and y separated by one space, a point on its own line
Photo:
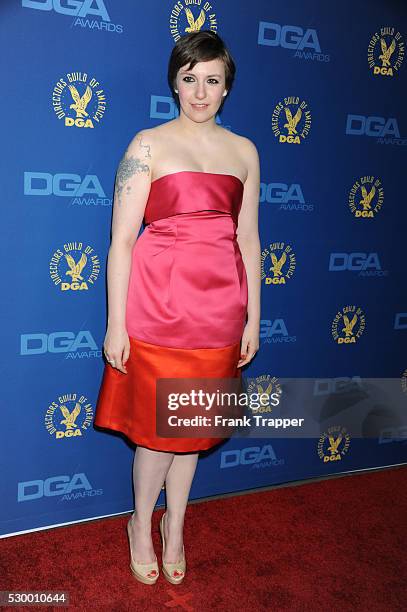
200 107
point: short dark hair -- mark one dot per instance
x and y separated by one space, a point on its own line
195 47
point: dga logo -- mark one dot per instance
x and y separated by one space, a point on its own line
163 107
263 384
393 434
400 320
75 267
366 264
80 345
348 325
67 487
333 444
84 191
79 9
282 260
386 130
304 43
291 120
284 196
366 197
385 52
336 386
275 331
69 417
79 100
257 457
192 18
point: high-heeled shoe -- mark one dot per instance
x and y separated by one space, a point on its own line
147 573
173 572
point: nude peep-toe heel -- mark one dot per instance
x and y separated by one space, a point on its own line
173 572
147 573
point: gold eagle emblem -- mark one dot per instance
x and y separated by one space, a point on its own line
367 197
292 121
334 443
277 264
268 389
387 51
194 25
80 103
70 417
349 325
75 268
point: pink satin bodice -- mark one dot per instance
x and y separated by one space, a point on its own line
188 285
188 191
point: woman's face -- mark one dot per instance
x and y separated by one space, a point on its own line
201 89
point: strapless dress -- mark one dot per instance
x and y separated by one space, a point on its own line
186 304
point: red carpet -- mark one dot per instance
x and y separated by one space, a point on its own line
337 543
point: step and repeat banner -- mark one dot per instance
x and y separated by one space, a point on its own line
320 89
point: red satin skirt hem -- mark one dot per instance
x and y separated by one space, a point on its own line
127 402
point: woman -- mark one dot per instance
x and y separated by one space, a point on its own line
179 295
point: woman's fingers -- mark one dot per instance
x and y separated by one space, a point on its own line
117 360
247 353
244 347
126 353
247 359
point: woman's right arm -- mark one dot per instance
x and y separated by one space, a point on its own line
132 187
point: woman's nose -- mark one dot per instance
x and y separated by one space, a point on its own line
200 91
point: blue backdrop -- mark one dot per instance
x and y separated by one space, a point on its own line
319 89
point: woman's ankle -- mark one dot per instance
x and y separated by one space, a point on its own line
140 522
174 519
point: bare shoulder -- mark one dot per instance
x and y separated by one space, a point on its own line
248 155
247 148
139 153
154 134
148 144
141 142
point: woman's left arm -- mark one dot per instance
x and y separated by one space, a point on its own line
249 244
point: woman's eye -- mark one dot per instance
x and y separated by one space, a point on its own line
214 81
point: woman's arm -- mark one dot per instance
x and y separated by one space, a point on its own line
132 187
249 244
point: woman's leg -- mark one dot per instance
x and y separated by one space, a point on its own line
177 486
149 471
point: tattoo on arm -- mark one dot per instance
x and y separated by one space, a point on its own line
129 165
147 153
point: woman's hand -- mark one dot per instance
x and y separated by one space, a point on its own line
250 343
117 347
